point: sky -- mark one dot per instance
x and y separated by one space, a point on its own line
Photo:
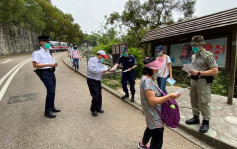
89 14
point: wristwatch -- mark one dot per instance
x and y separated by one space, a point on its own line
199 73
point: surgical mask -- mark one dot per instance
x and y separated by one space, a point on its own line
195 49
124 54
102 60
159 53
47 45
75 48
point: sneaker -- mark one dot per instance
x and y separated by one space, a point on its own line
142 146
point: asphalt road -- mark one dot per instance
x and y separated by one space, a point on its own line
23 125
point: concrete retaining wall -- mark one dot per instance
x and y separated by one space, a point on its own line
15 40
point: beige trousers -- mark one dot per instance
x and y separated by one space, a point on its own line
200 94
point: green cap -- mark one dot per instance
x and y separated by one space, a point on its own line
197 41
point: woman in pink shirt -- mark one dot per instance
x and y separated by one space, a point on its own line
75 56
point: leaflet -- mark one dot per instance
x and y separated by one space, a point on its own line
181 90
105 68
171 81
188 67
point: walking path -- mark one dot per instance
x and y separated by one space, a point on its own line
223 124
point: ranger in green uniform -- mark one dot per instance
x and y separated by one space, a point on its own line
205 68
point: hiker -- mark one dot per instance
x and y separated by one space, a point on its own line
76 56
164 70
150 97
94 75
205 67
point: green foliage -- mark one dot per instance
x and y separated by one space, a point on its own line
220 84
112 82
42 17
139 58
107 47
23 13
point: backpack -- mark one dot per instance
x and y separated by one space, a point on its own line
169 112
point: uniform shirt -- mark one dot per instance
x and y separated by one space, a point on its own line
127 62
164 67
42 56
94 69
203 60
153 119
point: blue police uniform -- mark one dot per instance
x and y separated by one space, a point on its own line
128 62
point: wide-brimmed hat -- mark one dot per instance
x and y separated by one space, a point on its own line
102 52
197 41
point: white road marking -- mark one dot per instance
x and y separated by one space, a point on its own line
4 88
4 77
8 60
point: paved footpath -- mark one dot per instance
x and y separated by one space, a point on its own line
222 132
23 125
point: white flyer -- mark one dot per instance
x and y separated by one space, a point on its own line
188 67
181 90
105 68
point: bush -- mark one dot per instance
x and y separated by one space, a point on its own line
112 82
220 84
139 58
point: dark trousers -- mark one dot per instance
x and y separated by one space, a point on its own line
75 63
156 136
130 77
49 81
95 91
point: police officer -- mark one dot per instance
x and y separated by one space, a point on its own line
45 67
205 68
94 73
129 64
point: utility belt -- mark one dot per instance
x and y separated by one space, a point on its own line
47 69
39 71
209 79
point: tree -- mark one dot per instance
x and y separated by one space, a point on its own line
152 14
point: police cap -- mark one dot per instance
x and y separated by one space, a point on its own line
44 38
124 49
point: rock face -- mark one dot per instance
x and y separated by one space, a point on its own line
15 40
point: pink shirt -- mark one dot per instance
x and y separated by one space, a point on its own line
75 54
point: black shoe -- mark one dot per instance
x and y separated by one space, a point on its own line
204 127
132 99
94 113
49 114
56 110
194 120
125 96
101 111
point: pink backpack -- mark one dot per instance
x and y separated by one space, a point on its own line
169 112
